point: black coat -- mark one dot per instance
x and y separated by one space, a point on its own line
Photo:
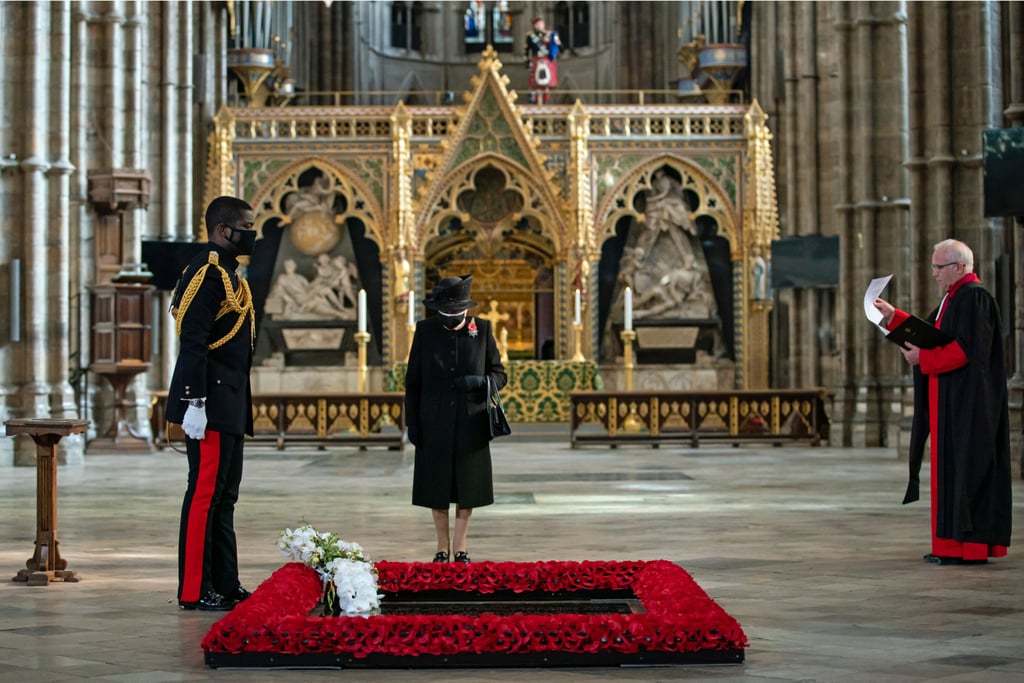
449 427
220 375
974 480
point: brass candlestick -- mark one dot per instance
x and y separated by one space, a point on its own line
577 329
410 330
362 339
632 423
628 336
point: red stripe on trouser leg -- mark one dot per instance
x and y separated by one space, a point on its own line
198 515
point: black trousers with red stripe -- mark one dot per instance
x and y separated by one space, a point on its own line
207 550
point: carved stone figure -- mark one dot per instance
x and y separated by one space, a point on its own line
403 280
345 277
329 296
667 214
759 268
322 291
663 263
313 229
288 291
674 292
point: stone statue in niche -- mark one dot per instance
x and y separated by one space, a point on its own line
666 214
328 296
288 291
759 273
314 229
663 263
403 279
311 307
675 290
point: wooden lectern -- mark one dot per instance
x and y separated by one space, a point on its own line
46 564
121 303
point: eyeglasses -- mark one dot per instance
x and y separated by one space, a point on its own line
939 266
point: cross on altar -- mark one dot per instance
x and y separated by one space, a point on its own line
494 317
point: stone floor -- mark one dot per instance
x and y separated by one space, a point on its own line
808 548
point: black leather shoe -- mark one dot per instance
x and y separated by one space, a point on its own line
212 601
461 556
237 595
441 556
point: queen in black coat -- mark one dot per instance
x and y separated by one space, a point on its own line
447 425
446 405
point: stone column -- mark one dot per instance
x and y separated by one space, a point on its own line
9 240
82 261
169 177
872 201
184 132
136 155
1014 113
791 48
802 90
32 387
62 397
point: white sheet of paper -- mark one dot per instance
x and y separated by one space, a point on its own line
874 289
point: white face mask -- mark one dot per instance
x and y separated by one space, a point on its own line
452 320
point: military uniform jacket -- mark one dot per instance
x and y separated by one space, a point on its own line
448 427
212 305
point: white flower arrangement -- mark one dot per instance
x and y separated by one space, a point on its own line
344 567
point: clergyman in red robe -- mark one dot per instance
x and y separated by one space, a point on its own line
960 399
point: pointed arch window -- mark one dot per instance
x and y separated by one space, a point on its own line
488 23
407 25
572 21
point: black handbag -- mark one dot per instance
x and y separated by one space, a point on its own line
496 419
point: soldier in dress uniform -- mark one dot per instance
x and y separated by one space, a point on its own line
211 398
542 48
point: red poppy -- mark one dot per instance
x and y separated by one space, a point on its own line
680 617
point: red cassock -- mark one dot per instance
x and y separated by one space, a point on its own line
961 401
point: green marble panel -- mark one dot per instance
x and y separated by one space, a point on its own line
537 390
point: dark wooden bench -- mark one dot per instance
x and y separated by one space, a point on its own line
654 417
346 419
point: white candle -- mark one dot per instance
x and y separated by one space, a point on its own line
629 309
576 319
412 310
362 310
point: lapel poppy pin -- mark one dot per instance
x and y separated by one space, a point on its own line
472 327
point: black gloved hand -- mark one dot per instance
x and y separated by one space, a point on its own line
469 383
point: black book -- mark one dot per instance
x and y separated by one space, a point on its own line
919 333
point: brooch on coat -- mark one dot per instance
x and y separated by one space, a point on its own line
472 327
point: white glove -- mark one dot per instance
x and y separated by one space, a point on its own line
194 423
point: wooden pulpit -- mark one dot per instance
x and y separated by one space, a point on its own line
122 319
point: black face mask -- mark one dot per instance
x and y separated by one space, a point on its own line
246 240
452 320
